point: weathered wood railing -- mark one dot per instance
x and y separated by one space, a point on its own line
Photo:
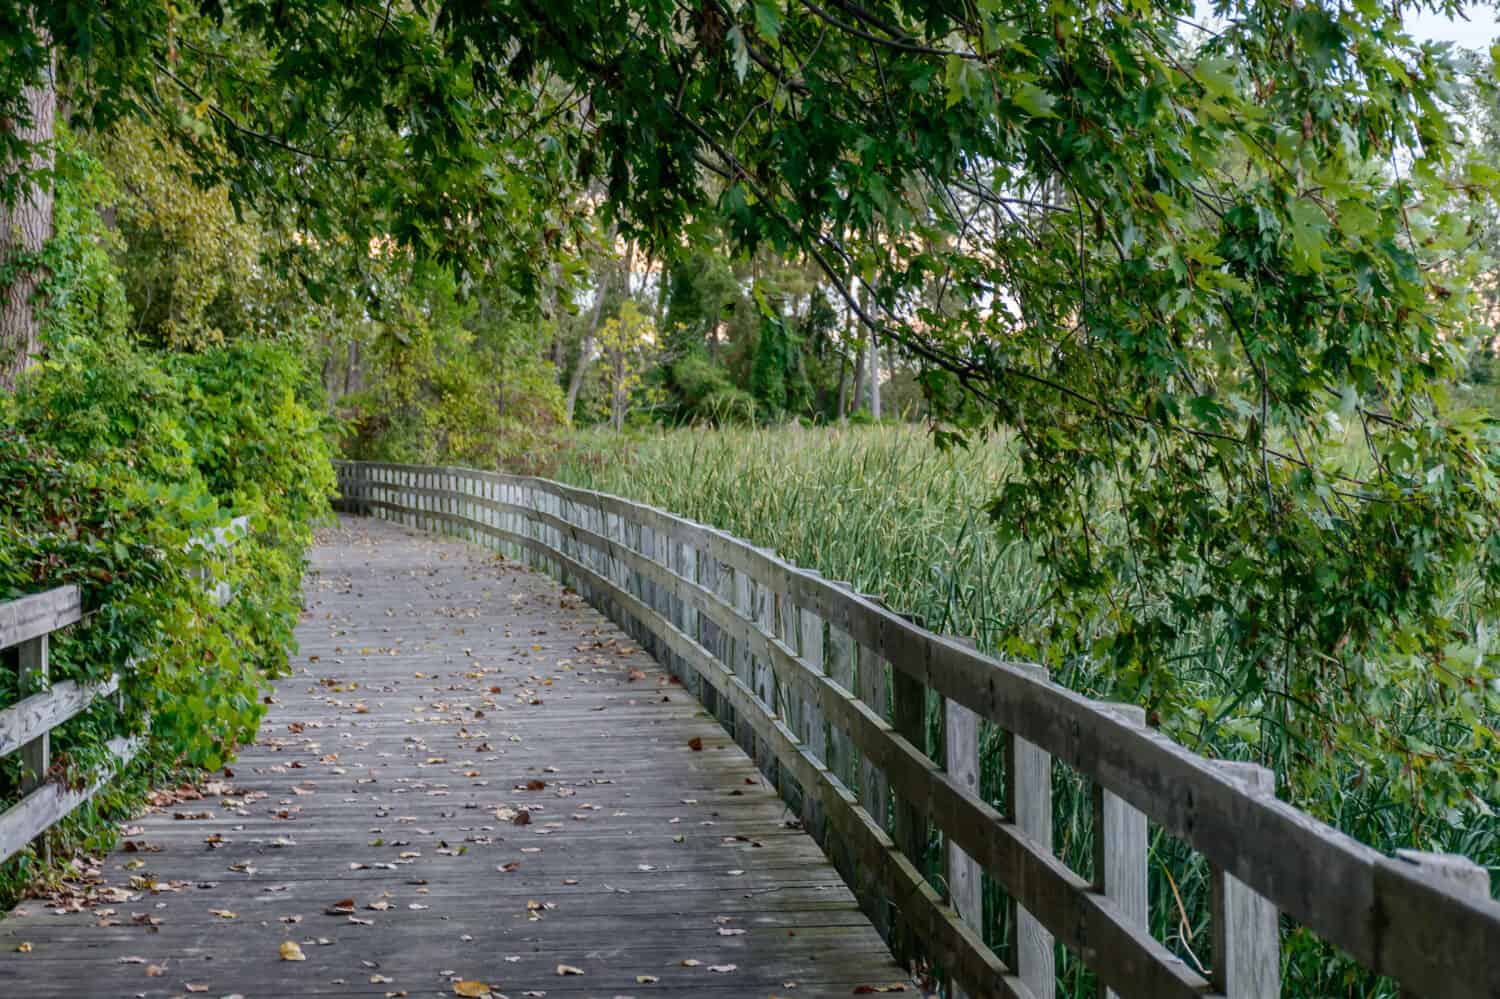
26 727
830 690
27 625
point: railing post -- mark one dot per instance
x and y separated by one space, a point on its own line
710 635
744 666
841 672
1120 847
36 755
874 789
764 604
1449 872
1246 934
909 718
961 761
31 678
1028 800
813 730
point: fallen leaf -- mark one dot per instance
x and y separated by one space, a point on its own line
292 951
195 986
695 744
723 969
568 969
471 989
646 979
865 990
23 948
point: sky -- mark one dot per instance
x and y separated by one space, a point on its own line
1479 32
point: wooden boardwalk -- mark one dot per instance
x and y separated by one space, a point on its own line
471 776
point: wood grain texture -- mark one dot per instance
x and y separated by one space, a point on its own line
432 686
1247 943
32 617
29 718
49 803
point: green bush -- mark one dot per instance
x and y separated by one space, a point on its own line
112 459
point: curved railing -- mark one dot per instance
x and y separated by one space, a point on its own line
829 691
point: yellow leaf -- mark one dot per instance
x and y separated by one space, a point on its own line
23 948
292 951
470 988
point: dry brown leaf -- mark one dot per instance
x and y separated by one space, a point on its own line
865 990
695 744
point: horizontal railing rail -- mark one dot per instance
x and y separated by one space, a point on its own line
830 691
26 727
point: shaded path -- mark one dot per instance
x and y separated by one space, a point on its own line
440 700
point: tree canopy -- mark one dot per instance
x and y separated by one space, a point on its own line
1214 278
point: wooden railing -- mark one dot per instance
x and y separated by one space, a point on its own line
829 691
27 625
26 727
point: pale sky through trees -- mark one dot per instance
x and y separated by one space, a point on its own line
1479 32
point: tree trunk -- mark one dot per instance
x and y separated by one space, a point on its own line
874 363
619 397
586 345
25 227
861 385
843 407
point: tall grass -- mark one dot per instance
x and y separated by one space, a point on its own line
886 511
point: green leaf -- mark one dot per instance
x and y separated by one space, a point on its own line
1033 100
768 19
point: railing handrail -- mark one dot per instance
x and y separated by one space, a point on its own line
1420 918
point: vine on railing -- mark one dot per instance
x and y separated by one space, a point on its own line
27 626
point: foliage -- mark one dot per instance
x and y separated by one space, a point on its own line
189 265
448 379
627 342
119 460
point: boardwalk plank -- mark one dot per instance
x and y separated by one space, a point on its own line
433 683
